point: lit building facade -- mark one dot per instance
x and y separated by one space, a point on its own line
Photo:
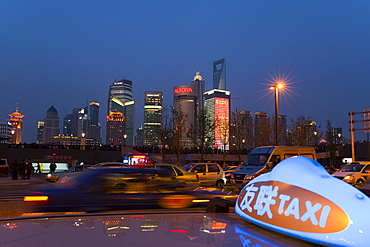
217 104
16 120
219 74
120 101
5 132
51 125
184 100
40 128
153 101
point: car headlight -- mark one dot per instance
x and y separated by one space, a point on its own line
348 178
249 177
48 176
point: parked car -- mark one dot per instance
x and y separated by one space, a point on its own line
55 176
209 173
110 164
107 189
355 173
180 174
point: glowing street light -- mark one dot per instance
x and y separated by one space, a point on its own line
278 85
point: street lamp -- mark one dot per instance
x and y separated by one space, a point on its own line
124 139
83 141
278 85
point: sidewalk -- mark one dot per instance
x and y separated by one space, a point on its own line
34 179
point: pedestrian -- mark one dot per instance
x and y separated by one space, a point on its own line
38 170
53 167
29 168
15 167
22 169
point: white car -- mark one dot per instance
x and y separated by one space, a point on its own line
209 173
355 173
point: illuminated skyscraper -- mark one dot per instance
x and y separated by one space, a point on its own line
5 132
121 108
184 100
40 127
152 117
262 129
219 74
217 104
51 125
94 130
198 85
17 125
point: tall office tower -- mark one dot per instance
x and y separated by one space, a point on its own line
152 117
282 131
198 85
51 126
40 127
139 138
67 124
120 101
5 132
219 74
217 103
17 125
184 101
262 129
79 122
94 129
247 121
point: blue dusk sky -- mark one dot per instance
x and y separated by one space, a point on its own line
67 53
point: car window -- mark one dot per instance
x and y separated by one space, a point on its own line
213 168
78 169
178 171
199 169
168 168
367 169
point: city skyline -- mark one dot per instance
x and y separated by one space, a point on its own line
54 54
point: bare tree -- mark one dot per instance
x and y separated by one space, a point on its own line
331 143
238 132
300 132
201 133
164 133
178 132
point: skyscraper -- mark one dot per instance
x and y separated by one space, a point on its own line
121 108
262 129
94 130
217 103
198 85
152 116
184 101
51 125
219 74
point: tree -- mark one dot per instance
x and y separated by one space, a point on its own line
301 133
201 133
331 139
238 132
178 132
164 134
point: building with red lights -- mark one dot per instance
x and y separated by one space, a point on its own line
16 122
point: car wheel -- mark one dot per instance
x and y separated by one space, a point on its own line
220 183
359 183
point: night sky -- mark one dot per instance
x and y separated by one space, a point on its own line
67 53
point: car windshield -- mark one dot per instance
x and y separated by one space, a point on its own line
188 167
256 159
351 168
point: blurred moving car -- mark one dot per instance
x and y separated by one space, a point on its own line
55 176
209 173
107 189
180 174
110 165
355 173
228 171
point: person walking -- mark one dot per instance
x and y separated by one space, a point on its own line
29 168
53 167
15 167
38 170
22 169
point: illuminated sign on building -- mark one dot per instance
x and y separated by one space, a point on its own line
221 109
183 90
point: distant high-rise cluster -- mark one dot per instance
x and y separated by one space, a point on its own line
153 101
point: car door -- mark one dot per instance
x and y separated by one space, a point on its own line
201 170
214 173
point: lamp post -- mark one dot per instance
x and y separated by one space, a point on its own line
124 139
276 87
83 141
